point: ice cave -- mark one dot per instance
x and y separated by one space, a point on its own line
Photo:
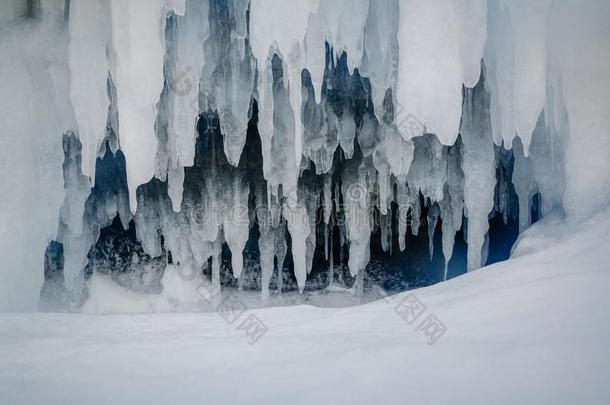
319 173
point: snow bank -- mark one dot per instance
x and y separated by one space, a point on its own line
533 329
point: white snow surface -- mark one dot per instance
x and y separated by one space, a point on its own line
533 329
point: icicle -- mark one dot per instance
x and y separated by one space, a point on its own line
280 254
236 225
433 215
266 245
356 201
89 32
393 156
547 154
315 51
183 77
347 134
474 20
415 211
328 207
386 232
76 239
345 21
137 69
478 165
269 29
331 261
431 69
524 183
529 27
299 228
404 204
516 61
452 206
381 48
428 171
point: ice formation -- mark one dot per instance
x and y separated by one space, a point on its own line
191 128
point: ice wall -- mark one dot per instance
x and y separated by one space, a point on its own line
580 66
358 108
35 113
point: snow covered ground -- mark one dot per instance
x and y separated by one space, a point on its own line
534 329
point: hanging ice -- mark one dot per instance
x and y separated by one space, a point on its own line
355 117
440 48
89 30
137 70
478 165
184 77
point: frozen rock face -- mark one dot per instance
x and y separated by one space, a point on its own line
234 139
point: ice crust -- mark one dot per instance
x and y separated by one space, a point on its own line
360 105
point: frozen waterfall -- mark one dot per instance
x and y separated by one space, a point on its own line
293 144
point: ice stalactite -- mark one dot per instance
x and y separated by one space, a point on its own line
500 67
547 151
299 228
452 205
137 70
435 51
228 75
183 75
517 63
271 243
433 216
474 19
428 171
345 22
356 197
478 165
236 224
89 39
529 28
75 240
525 184
271 34
380 59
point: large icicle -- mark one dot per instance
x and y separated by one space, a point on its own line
236 224
500 72
381 48
184 77
516 61
478 164
89 30
299 228
345 20
270 29
356 199
529 27
452 205
474 17
430 70
137 71
525 185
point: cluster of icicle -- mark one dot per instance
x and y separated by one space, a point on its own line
545 94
